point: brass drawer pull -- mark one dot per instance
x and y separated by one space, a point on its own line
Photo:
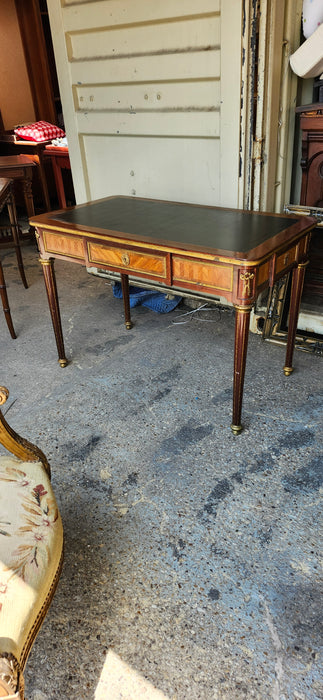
125 259
286 259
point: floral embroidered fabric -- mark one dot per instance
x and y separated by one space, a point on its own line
31 542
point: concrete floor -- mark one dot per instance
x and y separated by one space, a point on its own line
191 556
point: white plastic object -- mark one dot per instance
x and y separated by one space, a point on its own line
307 61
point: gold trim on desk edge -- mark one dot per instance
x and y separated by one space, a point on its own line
65 255
240 307
203 284
55 251
209 257
238 262
162 259
246 278
132 270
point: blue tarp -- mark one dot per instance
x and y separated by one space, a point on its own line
157 301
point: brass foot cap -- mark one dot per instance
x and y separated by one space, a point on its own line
128 325
236 429
288 371
63 363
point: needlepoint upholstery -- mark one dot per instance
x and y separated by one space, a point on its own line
31 547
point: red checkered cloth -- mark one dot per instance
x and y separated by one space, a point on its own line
39 131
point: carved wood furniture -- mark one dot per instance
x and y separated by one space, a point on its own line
39 153
311 204
311 124
31 552
7 199
5 304
20 168
60 161
219 252
11 145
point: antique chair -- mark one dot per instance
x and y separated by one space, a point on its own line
31 552
20 168
7 199
5 303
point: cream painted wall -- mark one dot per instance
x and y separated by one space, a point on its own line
151 96
15 96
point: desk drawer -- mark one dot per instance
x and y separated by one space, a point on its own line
203 274
284 261
128 259
69 246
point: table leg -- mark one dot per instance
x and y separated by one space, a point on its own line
28 193
59 183
240 356
126 301
15 234
28 196
43 180
51 289
295 300
5 304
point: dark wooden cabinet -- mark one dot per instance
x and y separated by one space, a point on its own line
39 57
311 124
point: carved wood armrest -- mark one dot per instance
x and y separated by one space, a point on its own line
18 446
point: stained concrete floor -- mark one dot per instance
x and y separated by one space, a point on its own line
192 567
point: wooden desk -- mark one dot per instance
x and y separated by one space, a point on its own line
219 252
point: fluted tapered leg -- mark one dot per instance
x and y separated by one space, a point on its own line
126 302
295 300
51 289
240 356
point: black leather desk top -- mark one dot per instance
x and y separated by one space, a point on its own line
225 229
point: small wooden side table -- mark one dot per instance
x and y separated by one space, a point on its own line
11 145
6 198
20 168
60 161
